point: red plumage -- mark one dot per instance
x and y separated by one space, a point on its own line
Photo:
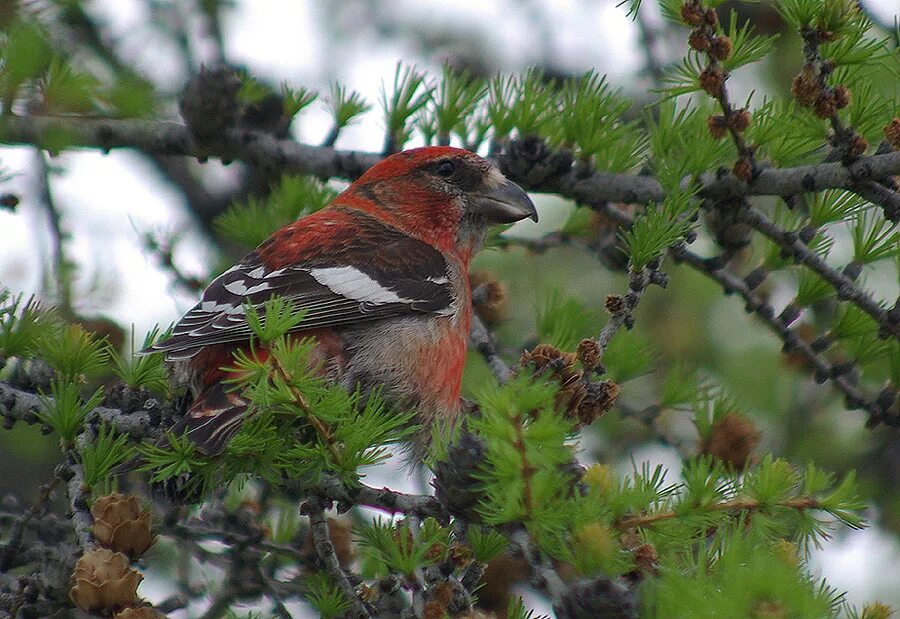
382 274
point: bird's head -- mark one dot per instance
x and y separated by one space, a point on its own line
443 195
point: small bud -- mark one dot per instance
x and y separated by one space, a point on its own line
614 303
825 106
787 551
731 440
720 48
493 300
121 525
805 87
699 39
739 120
368 593
596 399
717 126
597 541
892 133
858 145
588 353
842 97
599 478
543 355
768 609
646 559
209 104
460 554
692 14
743 169
711 18
827 36
712 80
104 581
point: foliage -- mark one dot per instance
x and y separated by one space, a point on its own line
729 534
250 222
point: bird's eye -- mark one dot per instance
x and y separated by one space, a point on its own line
446 169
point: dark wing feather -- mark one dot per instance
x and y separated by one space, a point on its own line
385 275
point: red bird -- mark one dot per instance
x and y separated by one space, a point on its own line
382 273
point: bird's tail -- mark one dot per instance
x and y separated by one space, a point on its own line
214 417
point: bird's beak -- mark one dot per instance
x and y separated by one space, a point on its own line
504 204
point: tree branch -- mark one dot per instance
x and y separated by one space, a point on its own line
325 550
19 405
821 368
169 138
845 287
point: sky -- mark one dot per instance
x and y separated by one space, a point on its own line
109 201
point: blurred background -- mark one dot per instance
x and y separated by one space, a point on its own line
127 219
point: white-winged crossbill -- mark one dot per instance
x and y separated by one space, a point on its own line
382 274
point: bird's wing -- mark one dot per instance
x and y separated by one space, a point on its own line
380 273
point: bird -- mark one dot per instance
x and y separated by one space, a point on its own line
381 273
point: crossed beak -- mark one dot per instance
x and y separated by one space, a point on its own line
504 204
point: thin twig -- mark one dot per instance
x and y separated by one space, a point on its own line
299 399
623 309
821 368
78 493
59 265
845 287
542 573
17 530
325 550
483 342
737 505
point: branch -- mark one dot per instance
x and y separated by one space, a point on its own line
325 550
542 573
169 138
78 493
821 368
845 287
19 405
483 342
622 308
60 267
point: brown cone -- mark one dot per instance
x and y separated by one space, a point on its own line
104 581
121 525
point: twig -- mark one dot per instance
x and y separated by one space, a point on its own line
649 36
642 520
845 287
78 492
20 405
325 550
162 251
542 573
60 267
418 575
622 308
17 530
299 399
484 343
821 368
220 603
